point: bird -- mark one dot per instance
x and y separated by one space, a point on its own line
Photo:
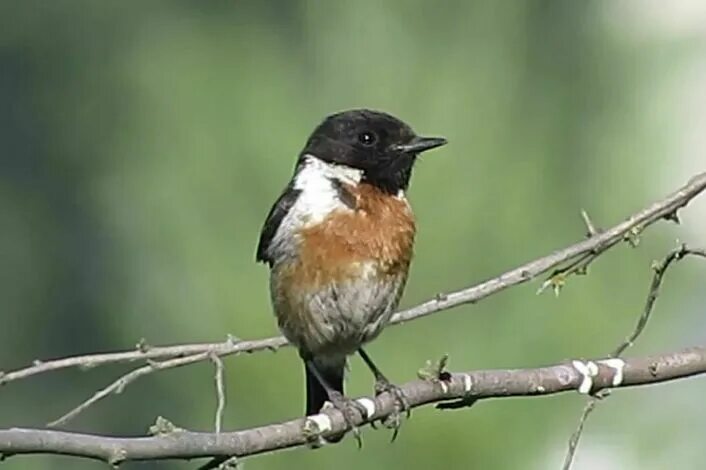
339 242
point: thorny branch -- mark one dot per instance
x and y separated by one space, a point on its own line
175 443
571 260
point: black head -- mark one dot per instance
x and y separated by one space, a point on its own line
380 145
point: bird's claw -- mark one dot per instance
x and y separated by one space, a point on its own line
349 409
393 420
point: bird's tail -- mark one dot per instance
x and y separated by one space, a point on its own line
316 396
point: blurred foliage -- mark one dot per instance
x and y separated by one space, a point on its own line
144 142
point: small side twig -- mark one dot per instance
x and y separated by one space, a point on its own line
579 266
660 269
591 229
119 385
574 441
144 352
220 392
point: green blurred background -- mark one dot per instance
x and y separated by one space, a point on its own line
142 144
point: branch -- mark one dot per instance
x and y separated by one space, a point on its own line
145 352
174 443
665 208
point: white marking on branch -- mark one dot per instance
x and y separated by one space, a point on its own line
322 422
369 406
588 370
467 383
617 365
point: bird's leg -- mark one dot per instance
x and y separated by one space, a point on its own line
345 405
382 385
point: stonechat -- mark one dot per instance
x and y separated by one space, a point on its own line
339 242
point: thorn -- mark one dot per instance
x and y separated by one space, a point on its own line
117 457
632 236
441 297
232 463
163 426
142 346
681 250
673 217
590 228
222 463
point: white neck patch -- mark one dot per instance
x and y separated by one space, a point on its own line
316 171
318 196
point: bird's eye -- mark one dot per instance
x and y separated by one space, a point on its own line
367 138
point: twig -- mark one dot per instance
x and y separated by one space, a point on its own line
145 353
119 385
579 266
220 391
557 279
574 441
181 444
660 269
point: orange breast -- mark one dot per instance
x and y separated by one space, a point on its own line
381 229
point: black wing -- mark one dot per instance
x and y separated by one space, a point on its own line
280 209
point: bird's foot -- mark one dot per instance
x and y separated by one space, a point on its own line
393 420
350 409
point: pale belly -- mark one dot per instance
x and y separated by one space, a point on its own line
335 318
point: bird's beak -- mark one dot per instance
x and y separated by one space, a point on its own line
420 144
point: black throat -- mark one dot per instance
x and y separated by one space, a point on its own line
387 180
